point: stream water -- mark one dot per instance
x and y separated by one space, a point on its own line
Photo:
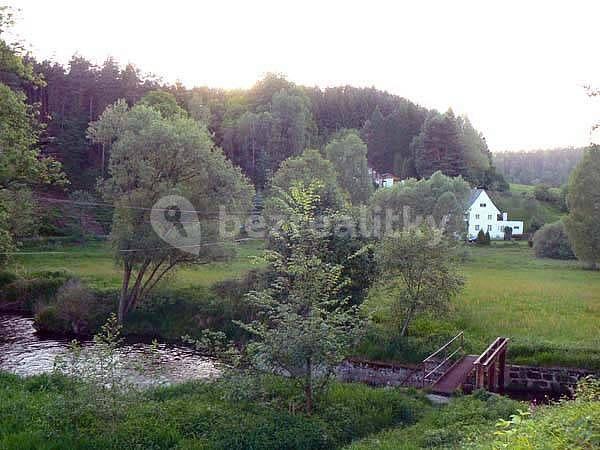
25 352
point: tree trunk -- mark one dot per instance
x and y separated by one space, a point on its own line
124 297
308 388
406 322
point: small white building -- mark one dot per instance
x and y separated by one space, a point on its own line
482 214
383 179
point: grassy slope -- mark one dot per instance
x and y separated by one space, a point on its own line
519 208
94 264
443 427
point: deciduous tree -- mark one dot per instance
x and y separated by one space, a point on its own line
152 156
421 263
583 200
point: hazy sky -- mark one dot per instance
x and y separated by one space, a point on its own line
515 68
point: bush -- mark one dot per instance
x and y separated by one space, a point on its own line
568 424
75 309
542 193
23 294
551 241
481 238
7 278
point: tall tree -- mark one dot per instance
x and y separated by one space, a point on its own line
21 164
311 168
155 155
439 147
348 153
304 326
292 123
583 199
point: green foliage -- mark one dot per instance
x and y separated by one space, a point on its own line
421 262
22 294
21 167
522 205
543 193
449 426
193 416
438 147
583 222
154 156
439 198
572 424
551 167
551 241
304 327
161 101
348 153
309 169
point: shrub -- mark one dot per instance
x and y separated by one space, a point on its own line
21 295
542 193
481 238
7 278
551 241
75 309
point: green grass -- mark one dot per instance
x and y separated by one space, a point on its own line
445 426
46 412
550 309
521 205
94 264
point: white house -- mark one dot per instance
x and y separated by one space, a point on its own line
482 214
383 179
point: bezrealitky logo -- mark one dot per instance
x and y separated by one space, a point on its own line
175 221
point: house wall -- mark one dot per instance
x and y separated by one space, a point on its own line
483 217
486 218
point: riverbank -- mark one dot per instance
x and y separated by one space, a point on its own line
549 309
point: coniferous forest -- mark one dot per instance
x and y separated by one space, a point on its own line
257 128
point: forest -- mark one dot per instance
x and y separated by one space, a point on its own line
257 128
551 167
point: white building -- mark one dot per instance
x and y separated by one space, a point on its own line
482 214
383 179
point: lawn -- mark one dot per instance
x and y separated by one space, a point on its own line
94 263
535 302
549 309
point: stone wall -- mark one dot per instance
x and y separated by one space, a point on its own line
378 374
557 380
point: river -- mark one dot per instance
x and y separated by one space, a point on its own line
25 352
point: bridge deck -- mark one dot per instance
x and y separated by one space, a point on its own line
455 376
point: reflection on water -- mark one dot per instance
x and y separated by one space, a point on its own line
24 352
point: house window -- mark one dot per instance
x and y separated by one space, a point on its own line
489 217
476 227
489 228
482 205
477 216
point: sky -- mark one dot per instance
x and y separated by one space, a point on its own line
515 68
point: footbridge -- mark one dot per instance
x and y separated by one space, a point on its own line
449 368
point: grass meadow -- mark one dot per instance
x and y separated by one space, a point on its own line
549 309
94 263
